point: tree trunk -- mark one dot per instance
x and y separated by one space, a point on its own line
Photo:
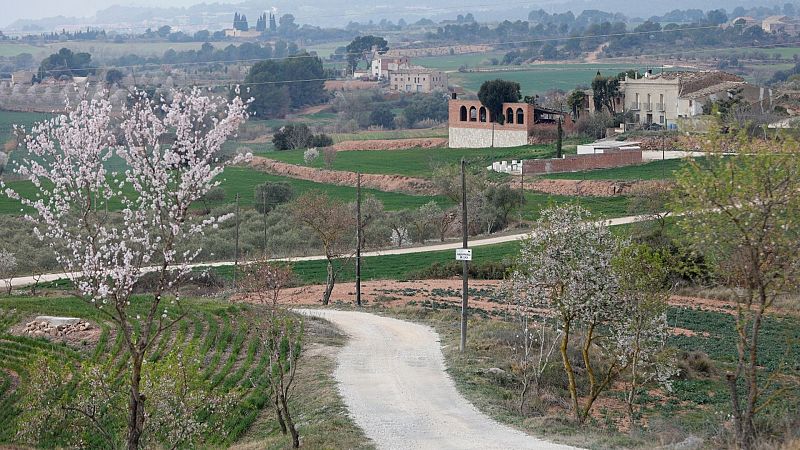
136 403
573 390
281 422
331 280
290 423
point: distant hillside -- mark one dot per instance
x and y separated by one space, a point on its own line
339 12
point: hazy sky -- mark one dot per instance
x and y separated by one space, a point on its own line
37 9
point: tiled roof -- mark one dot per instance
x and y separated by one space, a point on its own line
693 82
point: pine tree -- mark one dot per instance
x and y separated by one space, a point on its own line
243 22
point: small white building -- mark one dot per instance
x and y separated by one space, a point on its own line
603 146
383 65
22 77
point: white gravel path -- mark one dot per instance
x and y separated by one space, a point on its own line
391 374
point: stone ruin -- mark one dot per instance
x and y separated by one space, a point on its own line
55 326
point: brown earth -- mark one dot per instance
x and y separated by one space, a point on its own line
386 183
593 188
390 144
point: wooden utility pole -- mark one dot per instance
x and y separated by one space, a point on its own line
465 288
236 248
358 239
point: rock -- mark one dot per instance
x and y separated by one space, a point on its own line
57 321
495 371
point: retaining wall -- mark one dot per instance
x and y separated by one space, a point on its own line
574 163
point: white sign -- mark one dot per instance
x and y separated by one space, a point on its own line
463 254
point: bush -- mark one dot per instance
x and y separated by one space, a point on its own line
294 136
594 125
430 106
479 271
382 116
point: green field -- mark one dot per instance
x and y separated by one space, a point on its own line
454 62
243 181
8 49
415 162
540 78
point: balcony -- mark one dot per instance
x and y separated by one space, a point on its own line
660 107
635 106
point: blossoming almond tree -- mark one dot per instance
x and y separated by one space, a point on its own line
170 150
565 265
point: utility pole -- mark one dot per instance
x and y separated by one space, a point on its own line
265 224
358 239
236 249
465 288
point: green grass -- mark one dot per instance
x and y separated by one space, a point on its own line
235 362
14 48
454 62
415 162
243 181
540 78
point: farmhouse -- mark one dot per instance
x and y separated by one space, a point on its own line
383 65
780 24
471 125
417 79
664 98
22 77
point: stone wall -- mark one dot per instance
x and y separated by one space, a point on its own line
574 163
482 138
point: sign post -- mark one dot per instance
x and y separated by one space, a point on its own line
465 261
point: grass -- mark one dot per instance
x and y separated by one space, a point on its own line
454 62
242 181
415 162
696 406
540 78
234 360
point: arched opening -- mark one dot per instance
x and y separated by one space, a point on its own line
509 115
463 117
482 114
520 116
473 114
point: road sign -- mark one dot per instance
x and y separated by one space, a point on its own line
463 254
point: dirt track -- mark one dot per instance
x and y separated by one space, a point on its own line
391 375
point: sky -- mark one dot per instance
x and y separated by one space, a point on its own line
37 9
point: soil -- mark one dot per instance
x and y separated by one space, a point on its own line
390 144
592 188
386 183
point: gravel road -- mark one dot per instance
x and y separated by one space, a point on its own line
391 374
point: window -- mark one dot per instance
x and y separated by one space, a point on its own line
482 114
661 119
473 114
509 115
463 115
520 116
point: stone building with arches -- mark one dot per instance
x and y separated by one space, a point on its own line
471 125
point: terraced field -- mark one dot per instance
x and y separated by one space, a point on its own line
234 359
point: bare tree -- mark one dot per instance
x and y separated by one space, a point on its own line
333 224
8 266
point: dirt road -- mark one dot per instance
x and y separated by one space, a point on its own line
391 374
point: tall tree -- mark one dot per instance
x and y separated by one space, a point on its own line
105 259
494 93
362 47
743 213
